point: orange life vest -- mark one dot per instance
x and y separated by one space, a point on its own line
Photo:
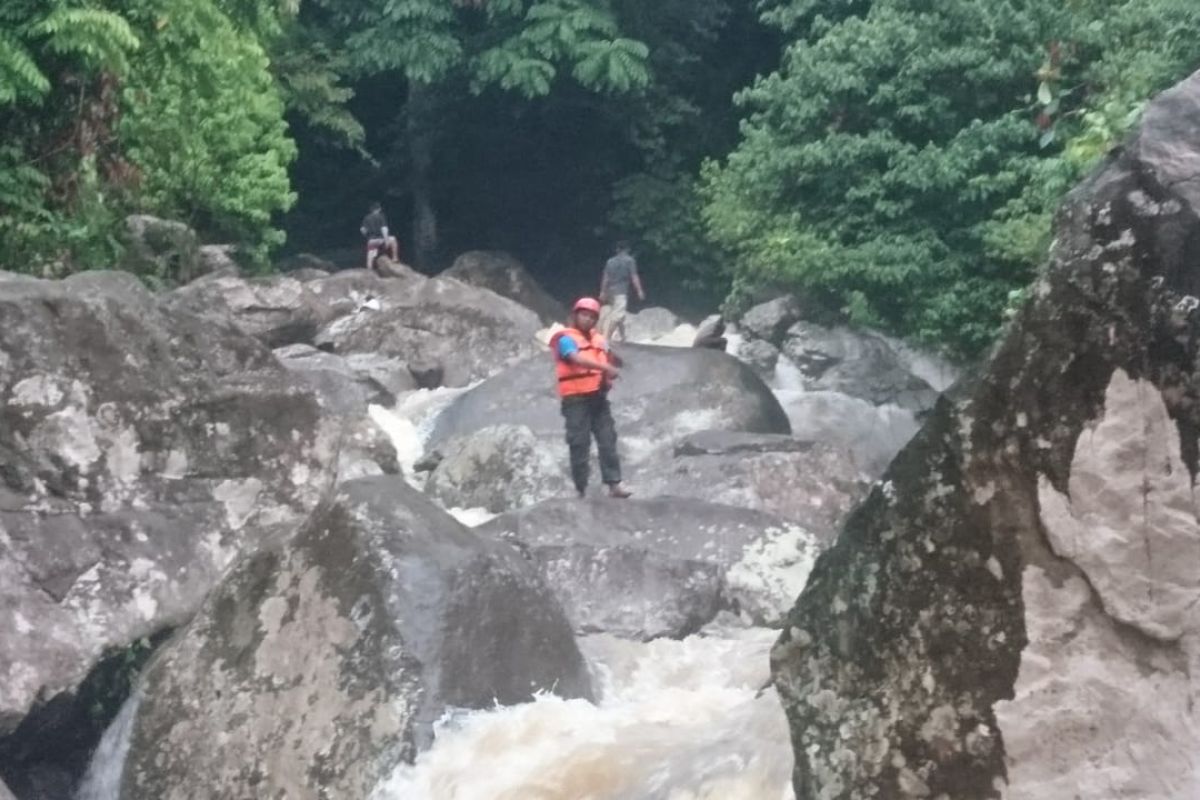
572 378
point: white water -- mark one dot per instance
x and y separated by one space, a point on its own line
102 781
410 422
678 720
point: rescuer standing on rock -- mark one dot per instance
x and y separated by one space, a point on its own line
586 369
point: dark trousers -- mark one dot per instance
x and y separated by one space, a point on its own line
586 416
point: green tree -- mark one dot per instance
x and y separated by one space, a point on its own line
901 164
163 106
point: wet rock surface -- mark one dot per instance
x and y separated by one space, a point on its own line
809 484
141 449
663 566
856 363
323 659
1022 558
278 310
663 393
465 332
650 324
506 276
498 468
769 322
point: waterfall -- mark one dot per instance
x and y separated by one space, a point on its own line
677 720
102 781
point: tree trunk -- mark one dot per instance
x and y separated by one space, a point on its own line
420 129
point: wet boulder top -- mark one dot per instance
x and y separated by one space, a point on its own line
663 393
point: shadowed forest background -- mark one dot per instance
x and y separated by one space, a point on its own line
895 163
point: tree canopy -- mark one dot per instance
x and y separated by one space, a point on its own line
903 163
897 161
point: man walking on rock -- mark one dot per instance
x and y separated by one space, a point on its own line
620 273
586 368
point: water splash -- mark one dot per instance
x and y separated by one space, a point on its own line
679 720
410 422
102 781
471 517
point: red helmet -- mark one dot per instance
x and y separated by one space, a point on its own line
588 304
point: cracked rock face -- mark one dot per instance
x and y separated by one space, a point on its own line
139 453
1013 610
323 659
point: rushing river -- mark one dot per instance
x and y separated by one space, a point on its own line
675 720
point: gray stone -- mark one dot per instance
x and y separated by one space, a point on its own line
650 323
330 377
500 468
366 450
1031 550
163 251
808 484
660 567
301 265
728 443
217 259
507 277
389 377
324 658
140 451
5 794
710 333
769 321
437 323
760 354
857 363
663 394
277 310
306 274
868 434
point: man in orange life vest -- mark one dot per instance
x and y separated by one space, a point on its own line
586 369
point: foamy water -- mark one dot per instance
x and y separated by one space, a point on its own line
102 781
410 423
678 720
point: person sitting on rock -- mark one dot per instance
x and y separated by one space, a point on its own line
375 228
586 368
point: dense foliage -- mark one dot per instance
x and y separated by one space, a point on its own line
895 160
163 106
903 163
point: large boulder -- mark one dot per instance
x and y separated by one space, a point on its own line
507 277
330 377
277 310
760 354
323 659
466 332
857 363
498 468
663 393
140 451
769 321
650 324
1015 610
868 434
805 483
163 251
660 567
